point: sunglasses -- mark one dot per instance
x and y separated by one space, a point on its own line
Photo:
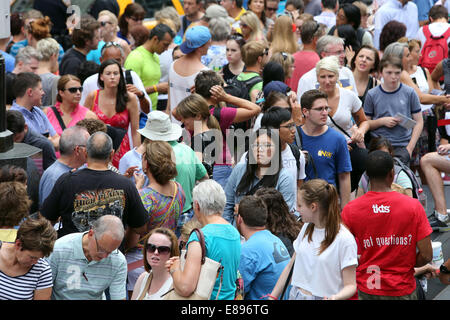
74 89
271 9
151 248
103 23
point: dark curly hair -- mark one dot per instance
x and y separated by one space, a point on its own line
391 32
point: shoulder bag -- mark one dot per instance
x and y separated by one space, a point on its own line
209 272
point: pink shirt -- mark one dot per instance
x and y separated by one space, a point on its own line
304 61
79 113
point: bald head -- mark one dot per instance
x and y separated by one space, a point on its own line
99 147
109 224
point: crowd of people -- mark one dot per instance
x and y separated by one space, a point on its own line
287 141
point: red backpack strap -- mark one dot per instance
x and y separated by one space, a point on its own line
426 31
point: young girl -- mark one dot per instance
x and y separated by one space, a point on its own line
325 257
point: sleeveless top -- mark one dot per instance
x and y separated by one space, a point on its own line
420 79
157 295
120 120
371 84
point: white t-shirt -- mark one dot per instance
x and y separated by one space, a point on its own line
348 103
309 81
165 60
437 29
322 274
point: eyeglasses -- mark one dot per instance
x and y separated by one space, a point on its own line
262 146
101 250
271 9
103 23
74 89
327 109
336 53
111 44
289 126
151 248
265 52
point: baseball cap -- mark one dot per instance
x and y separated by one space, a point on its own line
195 37
275 86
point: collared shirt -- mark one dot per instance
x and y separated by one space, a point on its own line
327 18
49 178
48 151
35 119
76 278
393 10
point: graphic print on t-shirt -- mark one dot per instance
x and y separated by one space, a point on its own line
280 253
90 205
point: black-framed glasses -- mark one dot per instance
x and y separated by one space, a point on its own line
151 248
103 23
289 126
322 109
271 9
74 89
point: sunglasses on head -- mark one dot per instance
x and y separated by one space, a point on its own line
74 89
151 248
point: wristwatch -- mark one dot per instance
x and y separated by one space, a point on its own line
443 269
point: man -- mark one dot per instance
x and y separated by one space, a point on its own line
392 233
235 11
29 93
327 147
328 46
388 107
306 59
27 60
192 13
114 51
85 38
263 255
404 11
432 165
72 148
80 197
189 167
183 71
85 264
255 55
144 60
328 14
271 9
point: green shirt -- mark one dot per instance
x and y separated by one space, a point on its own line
246 76
147 67
189 169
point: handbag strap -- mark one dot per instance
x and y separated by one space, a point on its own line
147 285
201 239
174 195
58 116
339 127
288 280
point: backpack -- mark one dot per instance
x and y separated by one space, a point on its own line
308 158
398 167
434 50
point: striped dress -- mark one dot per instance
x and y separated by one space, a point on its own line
22 287
157 206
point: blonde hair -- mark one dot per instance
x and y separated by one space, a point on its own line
169 13
251 51
46 48
286 60
194 105
330 63
285 38
253 22
112 17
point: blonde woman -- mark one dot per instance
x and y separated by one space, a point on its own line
286 60
285 40
251 27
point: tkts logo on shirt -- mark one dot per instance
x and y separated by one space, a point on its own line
381 209
90 205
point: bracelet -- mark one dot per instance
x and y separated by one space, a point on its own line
269 296
155 88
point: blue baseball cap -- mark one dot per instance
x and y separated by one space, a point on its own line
195 37
275 86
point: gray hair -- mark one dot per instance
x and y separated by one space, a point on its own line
27 53
220 29
395 49
46 48
108 224
210 197
325 41
72 137
99 146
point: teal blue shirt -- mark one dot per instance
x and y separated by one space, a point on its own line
223 244
75 278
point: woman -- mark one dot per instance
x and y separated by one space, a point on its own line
351 44
286 60
363 64
162 197
235 65
262 168
350 14
345 107
108 33
402 183
323 246
285 40
280 221
216 57
391 32
160 244
116 106
258 7
273 71
251 27
223 245
133 15
15 205
48 49
24 274
68 105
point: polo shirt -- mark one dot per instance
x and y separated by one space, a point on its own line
75 278
146 65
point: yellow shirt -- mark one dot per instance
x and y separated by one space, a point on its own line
8 235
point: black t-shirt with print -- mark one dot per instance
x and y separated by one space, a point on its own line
81 197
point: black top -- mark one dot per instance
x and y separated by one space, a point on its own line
100 5
56 11
200 143
39 141
81 197
9 79
71 61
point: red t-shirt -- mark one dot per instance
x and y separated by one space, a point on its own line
304 61
386 226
